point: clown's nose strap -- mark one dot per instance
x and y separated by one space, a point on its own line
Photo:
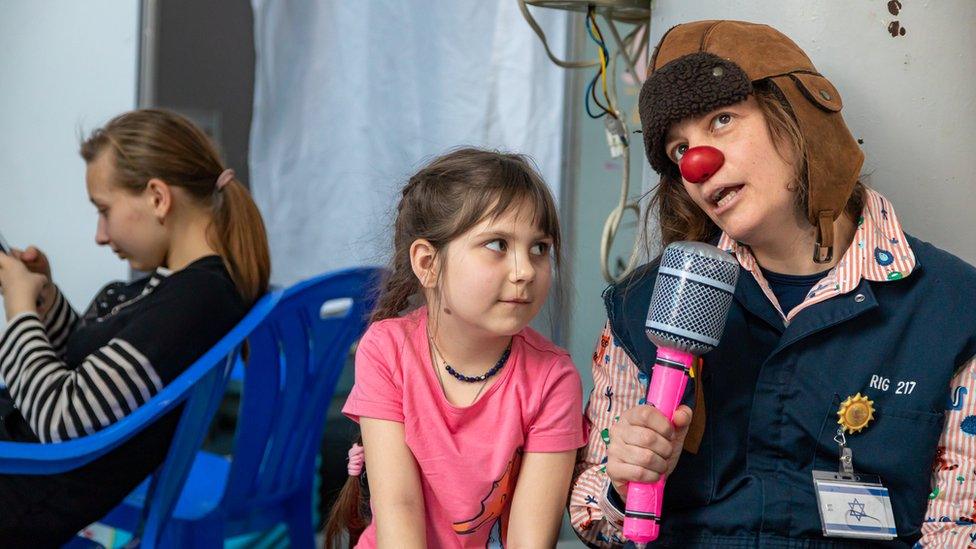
700 163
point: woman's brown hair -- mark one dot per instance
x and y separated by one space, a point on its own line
447 197
679 218
152 143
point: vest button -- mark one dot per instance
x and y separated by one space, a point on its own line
859 298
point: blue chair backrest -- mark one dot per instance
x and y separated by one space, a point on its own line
204 394
198 388
296 358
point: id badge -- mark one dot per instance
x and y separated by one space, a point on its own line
853 506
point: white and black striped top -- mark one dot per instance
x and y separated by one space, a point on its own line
68 376
60 402
65 388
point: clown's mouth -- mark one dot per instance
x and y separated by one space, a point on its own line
725 195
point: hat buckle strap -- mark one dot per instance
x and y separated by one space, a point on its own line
823 249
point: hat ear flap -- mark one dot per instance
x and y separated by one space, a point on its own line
833 157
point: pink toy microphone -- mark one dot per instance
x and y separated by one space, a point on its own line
692 294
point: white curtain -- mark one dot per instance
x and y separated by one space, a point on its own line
352 96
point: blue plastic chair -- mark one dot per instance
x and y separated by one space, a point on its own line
297 355
199 389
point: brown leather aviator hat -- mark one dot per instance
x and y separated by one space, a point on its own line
704 65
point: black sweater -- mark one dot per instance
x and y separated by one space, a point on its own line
69 376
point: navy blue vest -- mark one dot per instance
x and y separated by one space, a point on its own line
772 393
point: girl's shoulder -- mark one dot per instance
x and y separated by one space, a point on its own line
394 331
538 350
203 286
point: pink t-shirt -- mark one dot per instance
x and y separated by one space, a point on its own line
468 457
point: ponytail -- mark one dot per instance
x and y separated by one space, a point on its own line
241 241
350 512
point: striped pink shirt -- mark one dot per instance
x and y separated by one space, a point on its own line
878 253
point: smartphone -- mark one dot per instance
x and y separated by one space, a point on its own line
4 247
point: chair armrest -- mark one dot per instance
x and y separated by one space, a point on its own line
51 458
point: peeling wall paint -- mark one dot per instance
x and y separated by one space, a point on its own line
895 27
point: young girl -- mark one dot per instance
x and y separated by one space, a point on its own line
168 205
844 336
470 419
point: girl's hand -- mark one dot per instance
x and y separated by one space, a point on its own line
37 262
21 288
644 445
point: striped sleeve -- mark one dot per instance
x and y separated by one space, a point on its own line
59 321
60 402
949 520
616 388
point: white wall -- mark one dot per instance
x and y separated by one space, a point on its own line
910 98
65 67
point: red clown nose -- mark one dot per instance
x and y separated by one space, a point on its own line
700 163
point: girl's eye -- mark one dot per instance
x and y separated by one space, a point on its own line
539 248
678 152
722 120
497 245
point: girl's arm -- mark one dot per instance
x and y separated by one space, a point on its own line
539 500
59 318
394 485
62 401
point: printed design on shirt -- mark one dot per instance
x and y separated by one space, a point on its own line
883 257
588 521
614 538
941 463
605 437
604 342
643 379
958 398
495 503
968 425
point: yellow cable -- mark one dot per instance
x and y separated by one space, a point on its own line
603 65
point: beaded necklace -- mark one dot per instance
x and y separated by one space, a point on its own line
483 378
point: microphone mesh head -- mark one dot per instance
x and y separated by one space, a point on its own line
691 299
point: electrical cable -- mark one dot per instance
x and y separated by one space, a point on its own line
612 224
617 127
542 36
622 48
594 31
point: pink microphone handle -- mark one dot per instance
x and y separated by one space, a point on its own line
668 380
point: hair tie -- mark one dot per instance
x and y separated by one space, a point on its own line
357 459
224 178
